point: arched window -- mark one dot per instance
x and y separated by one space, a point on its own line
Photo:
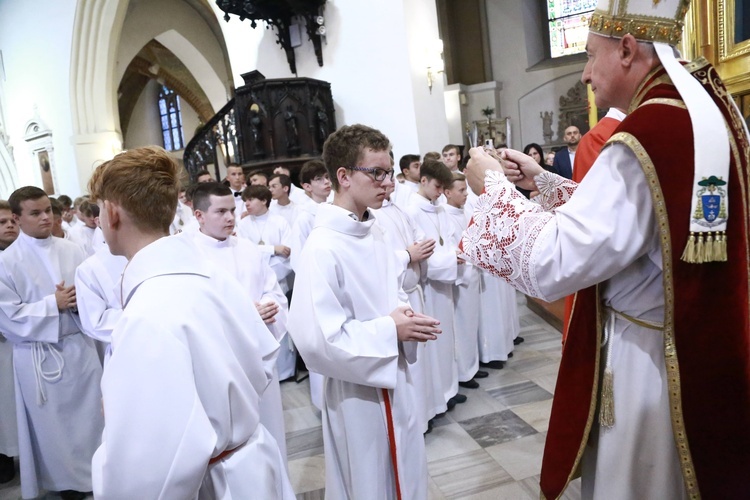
568 22
171 119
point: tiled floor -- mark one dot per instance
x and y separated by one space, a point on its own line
487 448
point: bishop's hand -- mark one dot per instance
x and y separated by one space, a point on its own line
478 165
411 326
520 169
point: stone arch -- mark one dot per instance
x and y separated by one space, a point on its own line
96 33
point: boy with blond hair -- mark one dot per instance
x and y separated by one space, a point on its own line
187 371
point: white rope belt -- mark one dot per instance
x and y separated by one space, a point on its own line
417 288
39 352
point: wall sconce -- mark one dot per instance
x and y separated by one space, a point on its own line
435 63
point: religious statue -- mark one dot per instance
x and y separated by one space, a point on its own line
292 134
256 126
546 125
322 126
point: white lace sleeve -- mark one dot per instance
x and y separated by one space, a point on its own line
554 190
502 233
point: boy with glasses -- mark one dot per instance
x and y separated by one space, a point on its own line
350 323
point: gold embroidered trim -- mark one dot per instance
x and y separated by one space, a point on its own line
670 353
666 101
649 82
574 471
738 151
643 28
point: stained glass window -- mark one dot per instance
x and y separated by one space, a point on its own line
171 119
568 25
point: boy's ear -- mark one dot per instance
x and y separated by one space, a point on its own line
306 186
342 174
113 213
198 216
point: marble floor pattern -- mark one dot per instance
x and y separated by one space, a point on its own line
488 448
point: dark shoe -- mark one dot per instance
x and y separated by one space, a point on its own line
495 365
72 495
481 374
469 384
518 340
510 355
459 398
429 426
7 469
451 404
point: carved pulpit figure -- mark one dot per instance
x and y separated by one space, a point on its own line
256 126
292 134
322 126
546 125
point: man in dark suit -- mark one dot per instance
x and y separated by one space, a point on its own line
563 164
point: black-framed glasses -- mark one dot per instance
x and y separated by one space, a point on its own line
378 173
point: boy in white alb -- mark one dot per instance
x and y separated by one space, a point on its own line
297 195
8 428
183 217
214 210
56 367
83 233
280 184
271 234
317 185
465 289
98 293
407 241
350 325
439 272
189 361
409 165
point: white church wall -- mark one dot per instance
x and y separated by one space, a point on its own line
36 57
514 43
374 59
144 127
190 121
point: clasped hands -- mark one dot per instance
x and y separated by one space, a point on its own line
411 326
520 169
65 297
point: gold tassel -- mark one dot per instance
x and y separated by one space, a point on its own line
688 255
723 248
708 249
607 403
699 250
715 248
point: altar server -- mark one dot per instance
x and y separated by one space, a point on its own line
349 324
465 289
186 349
439 272
8 431
57 370
214 211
